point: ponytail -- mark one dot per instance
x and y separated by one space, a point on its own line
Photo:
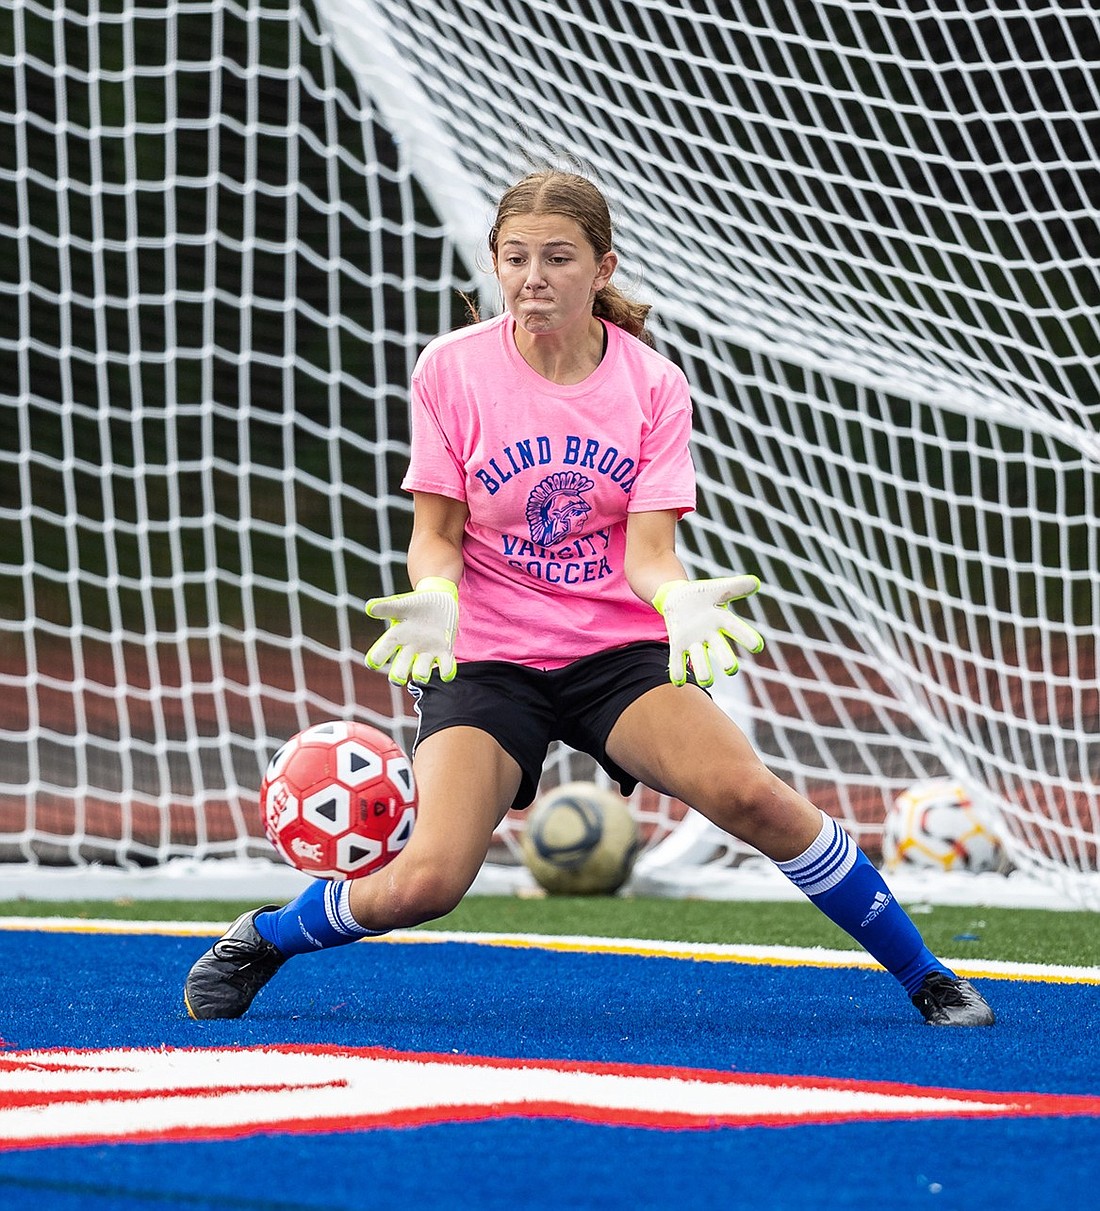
612 305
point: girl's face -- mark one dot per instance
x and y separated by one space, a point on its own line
549 272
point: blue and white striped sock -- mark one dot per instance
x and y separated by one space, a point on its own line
318 919
839 878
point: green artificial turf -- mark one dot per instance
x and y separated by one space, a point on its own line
1014 934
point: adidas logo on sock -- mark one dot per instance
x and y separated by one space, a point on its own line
881 900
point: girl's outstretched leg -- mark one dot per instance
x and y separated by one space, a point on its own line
840 880
455 822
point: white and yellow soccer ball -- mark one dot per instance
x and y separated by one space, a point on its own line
935 825
580 840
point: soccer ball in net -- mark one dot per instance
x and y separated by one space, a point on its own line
338 800
580 840
934 825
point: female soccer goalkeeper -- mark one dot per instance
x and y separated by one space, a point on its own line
550 465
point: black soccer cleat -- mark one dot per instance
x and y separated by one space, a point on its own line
224 981
948 1001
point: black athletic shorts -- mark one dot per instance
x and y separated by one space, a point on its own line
524 709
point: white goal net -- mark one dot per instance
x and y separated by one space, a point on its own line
869 230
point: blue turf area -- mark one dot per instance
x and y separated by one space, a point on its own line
92 991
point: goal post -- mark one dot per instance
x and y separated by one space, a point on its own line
868 230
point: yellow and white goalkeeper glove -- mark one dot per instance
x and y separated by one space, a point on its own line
700 627
421 631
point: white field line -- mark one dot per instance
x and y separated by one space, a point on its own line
700 952
109 1095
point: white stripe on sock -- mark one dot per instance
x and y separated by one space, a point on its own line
338 912
828 859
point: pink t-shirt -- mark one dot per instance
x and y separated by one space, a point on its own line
548 474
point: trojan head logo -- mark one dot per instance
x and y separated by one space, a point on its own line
556 508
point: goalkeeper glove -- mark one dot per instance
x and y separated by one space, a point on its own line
700 627
421 631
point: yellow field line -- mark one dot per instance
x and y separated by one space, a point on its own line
699 952
772 956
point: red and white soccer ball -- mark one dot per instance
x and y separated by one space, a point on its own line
935 826
338 800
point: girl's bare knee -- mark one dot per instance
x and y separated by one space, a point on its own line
402 895
755 806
